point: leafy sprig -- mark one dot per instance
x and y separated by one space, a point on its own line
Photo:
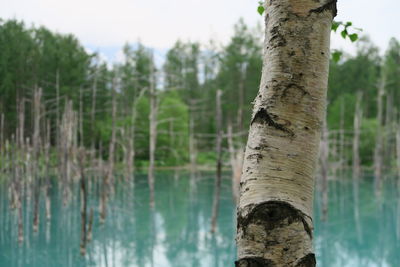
346 30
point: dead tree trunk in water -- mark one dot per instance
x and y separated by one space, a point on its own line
236 160
242 70
81 116
83 191
36 149
378 153
357 164
324 157
21 123
342 158
58 109
48 181
356 140
93 116
106 184
275 208
398 178
153 133
1 134
217 186
192 145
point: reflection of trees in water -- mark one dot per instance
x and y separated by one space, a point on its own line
338 242
177 232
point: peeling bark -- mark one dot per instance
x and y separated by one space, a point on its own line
277 183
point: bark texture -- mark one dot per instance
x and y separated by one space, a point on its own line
277 183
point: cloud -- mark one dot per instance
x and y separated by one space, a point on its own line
159 23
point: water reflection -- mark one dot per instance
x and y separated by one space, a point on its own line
176 232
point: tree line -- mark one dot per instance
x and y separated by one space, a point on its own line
184 95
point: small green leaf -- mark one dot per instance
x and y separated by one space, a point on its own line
349 23
336 55
260 9
353 37
344 34
335 26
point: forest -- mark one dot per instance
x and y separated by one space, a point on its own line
185 86
69 116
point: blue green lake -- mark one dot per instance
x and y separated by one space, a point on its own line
176 233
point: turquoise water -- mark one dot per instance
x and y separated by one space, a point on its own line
177 234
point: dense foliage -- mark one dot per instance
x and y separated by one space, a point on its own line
186 83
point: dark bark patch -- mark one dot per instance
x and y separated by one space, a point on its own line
307 261
254 262
256 156
293 86
330 6
262 117
273 214
277 39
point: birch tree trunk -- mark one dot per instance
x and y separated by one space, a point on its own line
275 206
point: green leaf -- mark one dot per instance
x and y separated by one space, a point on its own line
260 9
349 23
335 25
353 37
336 55
344 34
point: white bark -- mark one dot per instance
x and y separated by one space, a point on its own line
277 184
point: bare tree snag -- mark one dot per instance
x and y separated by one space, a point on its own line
217 186
356 138
378 152
274 220
236 161
153 133
324 165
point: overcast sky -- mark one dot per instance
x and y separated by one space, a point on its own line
106 25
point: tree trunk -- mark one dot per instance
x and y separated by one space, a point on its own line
357 164
153 134
236 160
378 153
81 116
84 196
192 145
398 178
342 157
58 109
275 207
356 140
324 157
1 134
217 187
93 115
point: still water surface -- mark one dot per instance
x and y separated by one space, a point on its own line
177 232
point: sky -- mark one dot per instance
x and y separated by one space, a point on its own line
105 26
